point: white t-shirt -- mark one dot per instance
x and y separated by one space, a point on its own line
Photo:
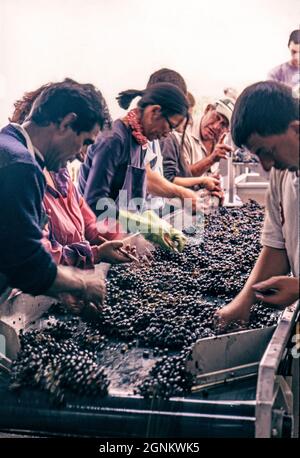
150 156
281 226
194 151
193 148
154 157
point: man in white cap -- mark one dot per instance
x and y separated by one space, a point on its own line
204 148
195 163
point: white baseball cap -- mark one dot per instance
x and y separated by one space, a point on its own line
225 107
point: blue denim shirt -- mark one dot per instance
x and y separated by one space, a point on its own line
23 260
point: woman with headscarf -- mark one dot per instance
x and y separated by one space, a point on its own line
114 170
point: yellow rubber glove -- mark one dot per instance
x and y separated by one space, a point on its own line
151 229
173 238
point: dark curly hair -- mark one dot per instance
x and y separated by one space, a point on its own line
53 101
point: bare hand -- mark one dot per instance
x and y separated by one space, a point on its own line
95 288
232 314
220 150
76 305
220 195
91 288
89 298
279 291
109 252
211 183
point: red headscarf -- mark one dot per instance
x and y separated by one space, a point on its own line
133 120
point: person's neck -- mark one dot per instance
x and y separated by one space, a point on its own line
39 136
209 146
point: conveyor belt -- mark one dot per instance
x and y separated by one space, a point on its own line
224 411
133 416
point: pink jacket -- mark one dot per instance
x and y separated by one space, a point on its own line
71 233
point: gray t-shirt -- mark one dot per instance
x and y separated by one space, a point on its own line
285 73
281 226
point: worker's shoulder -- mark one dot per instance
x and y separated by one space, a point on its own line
170 144
116 140
117 134
18 173
283 180
278 71
13 151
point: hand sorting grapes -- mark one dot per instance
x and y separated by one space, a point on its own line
164 307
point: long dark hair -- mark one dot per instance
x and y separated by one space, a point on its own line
170 98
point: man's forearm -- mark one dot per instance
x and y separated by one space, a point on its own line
201 166
187 182
271 262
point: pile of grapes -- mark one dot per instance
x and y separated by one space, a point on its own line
163 307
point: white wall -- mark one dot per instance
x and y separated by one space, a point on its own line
116 44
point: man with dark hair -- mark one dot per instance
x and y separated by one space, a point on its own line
202 150
166 75
289 72
62 119
205 149
266 121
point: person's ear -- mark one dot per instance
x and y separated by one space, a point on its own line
67 121
208 108
295 126
155 111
